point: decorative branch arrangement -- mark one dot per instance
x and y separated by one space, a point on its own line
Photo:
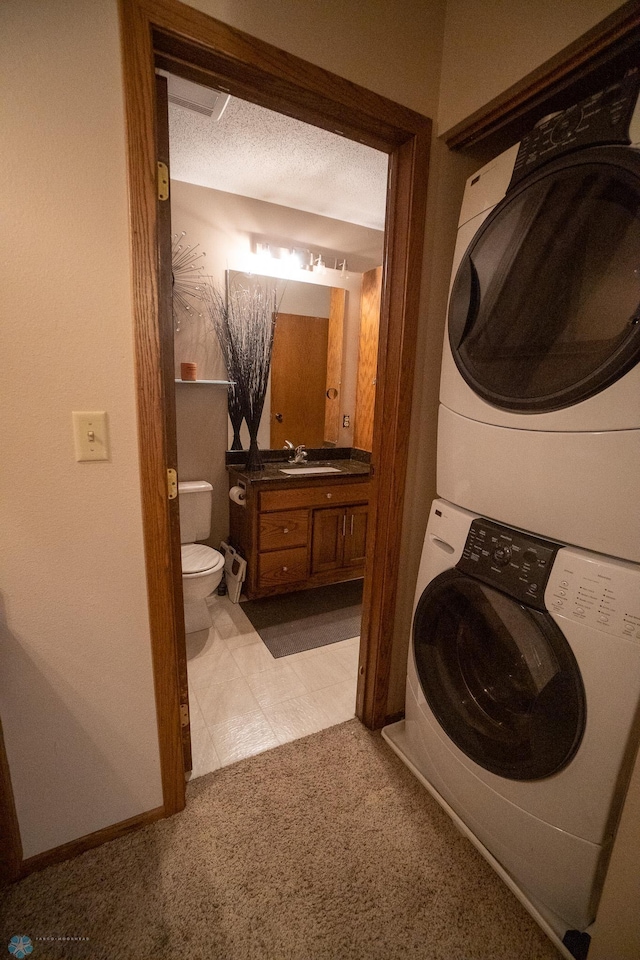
244 323
189 282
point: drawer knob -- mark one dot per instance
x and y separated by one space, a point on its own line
329 495
284 569
285 529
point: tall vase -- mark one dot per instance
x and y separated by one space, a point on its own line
254 460
236 415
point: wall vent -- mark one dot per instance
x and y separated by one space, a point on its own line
192 96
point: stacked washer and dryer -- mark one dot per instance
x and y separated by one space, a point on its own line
523 687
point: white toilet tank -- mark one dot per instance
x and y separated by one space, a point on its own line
195 510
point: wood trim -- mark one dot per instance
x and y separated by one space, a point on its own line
406 206
370 296
166 333
69 850
208 51
10 842
588 64
335 359
140 108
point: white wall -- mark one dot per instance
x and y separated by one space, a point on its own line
76 696
390 46
491 44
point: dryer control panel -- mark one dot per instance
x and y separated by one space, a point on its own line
601 118
517 563
600 592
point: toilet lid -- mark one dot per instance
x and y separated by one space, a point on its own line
198 558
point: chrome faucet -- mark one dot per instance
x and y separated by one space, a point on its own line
300 454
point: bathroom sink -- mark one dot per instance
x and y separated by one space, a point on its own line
309 470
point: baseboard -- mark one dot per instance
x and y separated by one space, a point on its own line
72 849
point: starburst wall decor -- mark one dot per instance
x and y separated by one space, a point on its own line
189 281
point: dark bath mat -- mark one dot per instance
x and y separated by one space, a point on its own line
307 619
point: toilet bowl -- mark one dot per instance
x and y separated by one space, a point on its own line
202 566
202 569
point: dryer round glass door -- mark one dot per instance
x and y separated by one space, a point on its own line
545 306
500 678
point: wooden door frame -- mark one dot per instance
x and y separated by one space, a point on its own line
178 38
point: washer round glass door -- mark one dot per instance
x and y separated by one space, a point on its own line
500 678
545 306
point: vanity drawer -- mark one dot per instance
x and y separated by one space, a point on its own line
287 528
283 566
311 496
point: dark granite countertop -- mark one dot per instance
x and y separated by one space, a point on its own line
271 471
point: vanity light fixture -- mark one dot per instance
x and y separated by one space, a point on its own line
273 255
295 259
263 250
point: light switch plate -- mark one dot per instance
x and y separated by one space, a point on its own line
90 435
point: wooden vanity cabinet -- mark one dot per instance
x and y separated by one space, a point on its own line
302 534
339 538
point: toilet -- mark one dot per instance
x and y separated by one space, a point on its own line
202 566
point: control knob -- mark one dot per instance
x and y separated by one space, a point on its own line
502 554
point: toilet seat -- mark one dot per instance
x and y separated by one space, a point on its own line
199 560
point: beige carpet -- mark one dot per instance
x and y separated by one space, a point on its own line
323 849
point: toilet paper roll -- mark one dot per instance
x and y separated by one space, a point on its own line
238 495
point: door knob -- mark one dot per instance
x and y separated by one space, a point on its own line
279 417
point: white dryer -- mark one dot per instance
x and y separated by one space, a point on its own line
539 422
523 693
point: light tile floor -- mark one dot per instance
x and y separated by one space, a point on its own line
244 701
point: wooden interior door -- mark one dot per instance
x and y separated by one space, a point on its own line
298 380
367 358
165 322
333 392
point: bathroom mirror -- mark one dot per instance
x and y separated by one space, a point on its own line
303 398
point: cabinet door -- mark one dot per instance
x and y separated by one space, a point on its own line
328 539
367 358
355 540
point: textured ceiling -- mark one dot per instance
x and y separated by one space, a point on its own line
254 152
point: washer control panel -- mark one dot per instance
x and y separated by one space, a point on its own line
602 593
516 563
601 118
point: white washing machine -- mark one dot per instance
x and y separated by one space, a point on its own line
523 693
539 423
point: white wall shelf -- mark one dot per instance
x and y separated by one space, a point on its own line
220 383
